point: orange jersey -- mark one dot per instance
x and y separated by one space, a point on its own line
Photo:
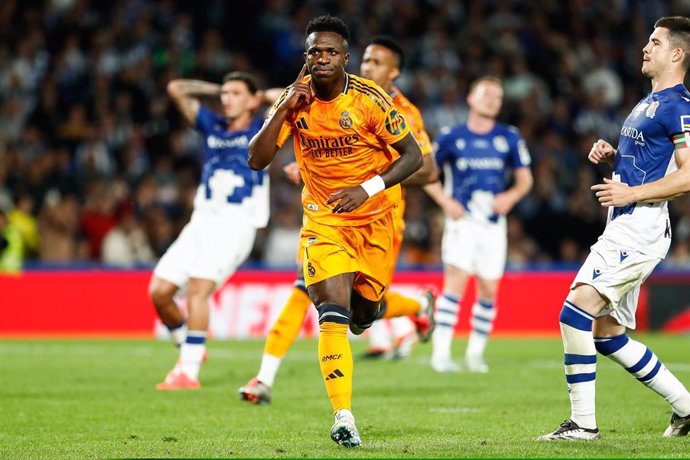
414 119
342 143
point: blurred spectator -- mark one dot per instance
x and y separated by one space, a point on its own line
58 227
23 220
11 246
126 244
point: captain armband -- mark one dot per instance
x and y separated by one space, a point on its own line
373 185
681 140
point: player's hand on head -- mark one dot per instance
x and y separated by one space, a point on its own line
613 193
347 199
601 151
301 94
291 171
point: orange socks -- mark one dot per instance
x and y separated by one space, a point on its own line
400 305
335 355
285 330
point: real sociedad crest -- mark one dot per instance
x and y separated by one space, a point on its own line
345 120
501 144
651 110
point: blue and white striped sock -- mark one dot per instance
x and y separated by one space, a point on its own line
580 359
447 308
192 353
643 364
482 322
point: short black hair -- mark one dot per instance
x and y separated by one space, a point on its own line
328 23
246 77
678 34
391 44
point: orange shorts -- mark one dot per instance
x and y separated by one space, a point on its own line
398 230
365 250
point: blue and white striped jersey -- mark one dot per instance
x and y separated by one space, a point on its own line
476 165
645 154
228 185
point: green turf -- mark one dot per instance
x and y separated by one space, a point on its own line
85 399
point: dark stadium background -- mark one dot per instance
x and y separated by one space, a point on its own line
90 142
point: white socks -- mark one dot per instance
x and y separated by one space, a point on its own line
192 353
269 368
580 360
178 334
639 361
482 322
447 308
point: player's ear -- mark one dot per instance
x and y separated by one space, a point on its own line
678 55
346 60
395 73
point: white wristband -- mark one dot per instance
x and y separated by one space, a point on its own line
373 185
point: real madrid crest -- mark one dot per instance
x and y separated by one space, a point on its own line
345 120
651 110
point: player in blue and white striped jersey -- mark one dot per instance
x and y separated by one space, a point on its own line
476 158
650 166
230 204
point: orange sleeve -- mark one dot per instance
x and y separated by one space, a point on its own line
415 119
389 124
286 128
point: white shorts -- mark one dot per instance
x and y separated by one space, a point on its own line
617 274
208 248
477 247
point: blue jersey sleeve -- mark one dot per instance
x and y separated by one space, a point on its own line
676 117
206 119
443 151
519 154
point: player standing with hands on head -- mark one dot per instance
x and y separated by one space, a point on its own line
650 166
342 127
475 156
230 204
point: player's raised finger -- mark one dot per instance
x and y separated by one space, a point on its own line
301 74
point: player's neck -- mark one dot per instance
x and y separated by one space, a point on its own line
666 81
479 124
241 122
327 91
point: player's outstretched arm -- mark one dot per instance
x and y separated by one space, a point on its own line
263 147
427 174
349 199
612 193
185 94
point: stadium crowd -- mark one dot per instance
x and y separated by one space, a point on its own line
97 166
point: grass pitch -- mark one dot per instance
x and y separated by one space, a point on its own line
96 398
